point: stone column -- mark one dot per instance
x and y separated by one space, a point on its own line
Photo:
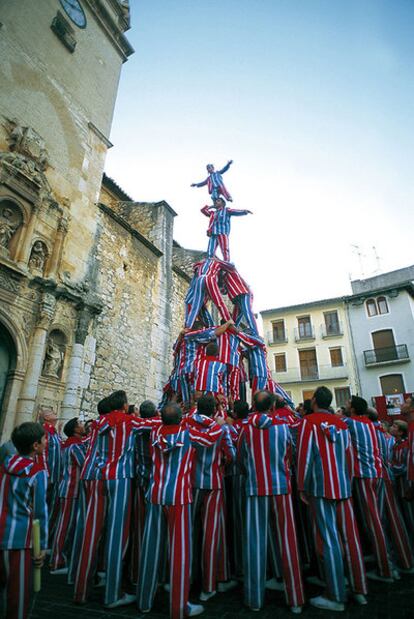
23 253
28 392
73 388
57 247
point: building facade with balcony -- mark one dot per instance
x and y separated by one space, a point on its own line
381 319
309 345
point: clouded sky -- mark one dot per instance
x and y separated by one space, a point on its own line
313 99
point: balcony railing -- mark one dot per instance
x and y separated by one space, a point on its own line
273 339
334 330
311 374
305 332
388 354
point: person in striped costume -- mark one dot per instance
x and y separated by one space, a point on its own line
218 229
51 460
241 296
214 182
407 410
206 283
73 456
391 515
210 372
169 497
107 474
324 474
208 494
367 475
265 452
400 459
23 485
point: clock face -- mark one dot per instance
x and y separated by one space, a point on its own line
74 10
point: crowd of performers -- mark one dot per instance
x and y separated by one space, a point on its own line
249 497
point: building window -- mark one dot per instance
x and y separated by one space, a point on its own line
342 395
393 383
332 323
371 307
305 327
308 364
336 357
278 331
382 305
280 362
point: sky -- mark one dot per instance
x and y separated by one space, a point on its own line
314 102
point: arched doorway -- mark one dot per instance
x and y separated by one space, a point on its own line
7 365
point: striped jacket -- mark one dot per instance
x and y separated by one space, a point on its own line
410 463
111 452
256 356
214 180
173 453
235 284
209 465
51 458
265 453
191 348
400 458
23 485
210 375
324 456
385 444
220 219
367 458
73 457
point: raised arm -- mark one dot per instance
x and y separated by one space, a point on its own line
235 212
201 184
226 167
207 210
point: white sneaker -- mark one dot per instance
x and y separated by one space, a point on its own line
194 609
296 610
61 570
375 576
326 604
125 600
228 585
360 599
274 585
206 595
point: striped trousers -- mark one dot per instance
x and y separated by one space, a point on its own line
336 535
366 494
394 524
78 532
203 286
223 241
208 507
166 524
15 572
243 312
256 528
138 522
63 539
108 505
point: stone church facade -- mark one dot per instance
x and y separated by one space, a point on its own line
92 284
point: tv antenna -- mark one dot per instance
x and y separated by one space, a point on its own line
358 252
377 260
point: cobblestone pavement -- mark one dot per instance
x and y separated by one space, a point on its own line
394 601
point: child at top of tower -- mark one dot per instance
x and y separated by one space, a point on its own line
219 226
214 182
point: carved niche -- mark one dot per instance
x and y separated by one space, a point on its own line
55 354
38 258
11 220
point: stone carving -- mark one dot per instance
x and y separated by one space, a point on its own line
26 141
10 221
38 257
55 354
46 310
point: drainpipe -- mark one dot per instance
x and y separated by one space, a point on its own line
354 359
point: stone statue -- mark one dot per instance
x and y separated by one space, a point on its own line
53 360
7 227
38 257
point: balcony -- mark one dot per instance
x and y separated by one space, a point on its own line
274 340
383 356
311 374
305 332
334 330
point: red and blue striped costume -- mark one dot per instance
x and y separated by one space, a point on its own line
23 484
51 461
324 474
367 473
169 497
265 451
242 298
229 353
210 375
205 283
410 460
107 474
215 185
73 455
208 499
390 513
400 460
219 228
